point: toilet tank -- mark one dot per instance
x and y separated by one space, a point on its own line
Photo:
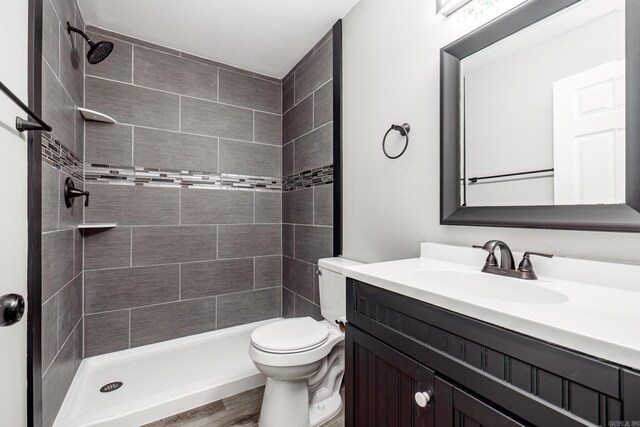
333 284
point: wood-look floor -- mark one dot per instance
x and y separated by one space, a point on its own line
241 410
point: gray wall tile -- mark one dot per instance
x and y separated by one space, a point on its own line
316 289
288 242
174 320
268 128
268 207
70 217
314 150
216 206
236 241
49 340
120 288
78 250
297 206
128 39
323 105
288 99
57 261
107 248
133 105
57 380
175 151
203 279
247 307
174 74
298 276
106 332
297 121
50 36
323 204
288 303
287 159
70 299
65 10
50 197
79 23
58 109
132 205
118 67
297 66
247 158
268 272
215 63
211 118
315 72
79 135
306 308
164 245
250 92
108 144
323 40
267 78
313 243
71 66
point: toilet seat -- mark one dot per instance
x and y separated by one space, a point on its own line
290 336
298 358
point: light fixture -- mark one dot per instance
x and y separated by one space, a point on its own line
447 7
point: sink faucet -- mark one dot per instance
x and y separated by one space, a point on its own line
507 266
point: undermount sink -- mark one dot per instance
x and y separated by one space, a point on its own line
488 286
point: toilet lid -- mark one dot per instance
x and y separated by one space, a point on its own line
290 335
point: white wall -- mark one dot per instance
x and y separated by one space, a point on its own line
13 211
391 74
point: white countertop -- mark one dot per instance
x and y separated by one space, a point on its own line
600 317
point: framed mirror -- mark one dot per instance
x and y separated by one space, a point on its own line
540 119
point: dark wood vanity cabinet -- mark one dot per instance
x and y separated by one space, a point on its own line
475 374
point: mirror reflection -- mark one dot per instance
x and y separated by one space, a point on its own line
544 112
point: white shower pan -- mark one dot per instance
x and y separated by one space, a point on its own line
162 379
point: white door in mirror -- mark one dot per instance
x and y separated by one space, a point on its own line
422 398
589 136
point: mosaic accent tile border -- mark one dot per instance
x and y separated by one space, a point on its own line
153 177
312 178
60 157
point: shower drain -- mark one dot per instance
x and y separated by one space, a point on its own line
107 388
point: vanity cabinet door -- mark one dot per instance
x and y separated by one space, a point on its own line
457 408
382 385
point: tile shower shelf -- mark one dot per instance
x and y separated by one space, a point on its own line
97 225
95 116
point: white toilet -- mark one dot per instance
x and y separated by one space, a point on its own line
303 359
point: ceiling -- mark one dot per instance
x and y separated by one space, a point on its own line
264 36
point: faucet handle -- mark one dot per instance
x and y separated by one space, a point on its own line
525 265
491 258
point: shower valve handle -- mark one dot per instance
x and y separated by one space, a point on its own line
71 192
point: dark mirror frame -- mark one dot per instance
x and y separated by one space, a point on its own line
621 217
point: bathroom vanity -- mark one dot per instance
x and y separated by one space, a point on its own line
426 352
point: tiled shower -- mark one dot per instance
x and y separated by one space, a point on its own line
307 167
219 180
191 175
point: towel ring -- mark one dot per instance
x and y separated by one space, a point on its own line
404 131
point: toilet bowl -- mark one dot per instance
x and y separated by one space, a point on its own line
303 358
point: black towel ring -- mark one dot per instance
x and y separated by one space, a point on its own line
404 131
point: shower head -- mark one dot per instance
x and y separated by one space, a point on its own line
98 52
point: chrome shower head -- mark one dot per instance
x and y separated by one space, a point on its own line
98 52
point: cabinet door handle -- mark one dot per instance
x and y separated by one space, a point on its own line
422 398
